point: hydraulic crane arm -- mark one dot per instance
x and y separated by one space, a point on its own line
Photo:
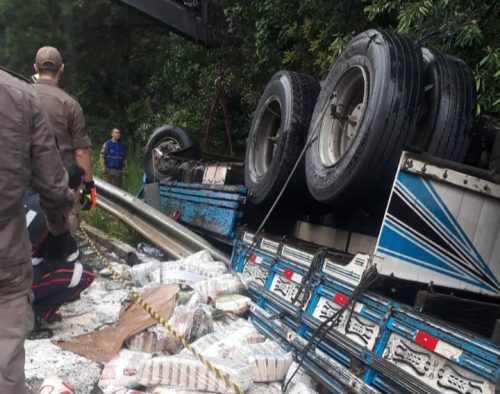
190 19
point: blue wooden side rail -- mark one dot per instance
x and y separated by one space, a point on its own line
213 209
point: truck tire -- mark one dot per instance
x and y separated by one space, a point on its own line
167 139
277 135
366 112
449 106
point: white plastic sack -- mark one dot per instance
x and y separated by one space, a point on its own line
300 388
191 322
212 288
192 269
217 343
223 320
234 303
145 273
121 371
123 269
268 361
301 382
185 371
265 388
151 340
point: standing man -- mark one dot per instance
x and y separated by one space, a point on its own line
68 124
113 159
29 154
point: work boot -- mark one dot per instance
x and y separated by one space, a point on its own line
39 331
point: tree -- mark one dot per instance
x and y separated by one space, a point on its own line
133 72
467 29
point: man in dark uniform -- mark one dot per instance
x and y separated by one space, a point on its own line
68 124
57 275
29 154
113 158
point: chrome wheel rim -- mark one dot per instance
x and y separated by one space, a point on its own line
342 115
267 137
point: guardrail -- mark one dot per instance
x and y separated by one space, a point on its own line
173 238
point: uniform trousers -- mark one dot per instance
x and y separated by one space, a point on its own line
53 289
114 177
16 321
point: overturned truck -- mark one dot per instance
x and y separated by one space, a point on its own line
365 218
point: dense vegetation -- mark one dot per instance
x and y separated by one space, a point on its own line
130 71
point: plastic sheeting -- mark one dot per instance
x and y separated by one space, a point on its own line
150 251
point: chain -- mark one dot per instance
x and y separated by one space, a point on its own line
155 315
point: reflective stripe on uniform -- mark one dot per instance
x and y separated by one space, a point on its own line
77 275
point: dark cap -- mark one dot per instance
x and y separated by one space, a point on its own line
48 58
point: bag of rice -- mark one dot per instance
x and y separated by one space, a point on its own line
217 343
121 370
235 303
212 288
191 322
267 360
192 269
186 371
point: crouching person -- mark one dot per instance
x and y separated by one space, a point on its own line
58 276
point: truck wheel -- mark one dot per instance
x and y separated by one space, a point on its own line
449 106
167 139
278 133
366 112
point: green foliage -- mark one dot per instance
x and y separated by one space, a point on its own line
111 226
467 29
134 73
132 182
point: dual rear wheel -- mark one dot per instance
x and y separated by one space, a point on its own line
382 95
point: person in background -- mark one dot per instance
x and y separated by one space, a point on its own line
29 157
58 277
68 125
113 159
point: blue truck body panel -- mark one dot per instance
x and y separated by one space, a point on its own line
384 345
439 228
209 208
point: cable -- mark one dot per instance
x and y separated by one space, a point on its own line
311 137
369 277
306 283
256 238
224 377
